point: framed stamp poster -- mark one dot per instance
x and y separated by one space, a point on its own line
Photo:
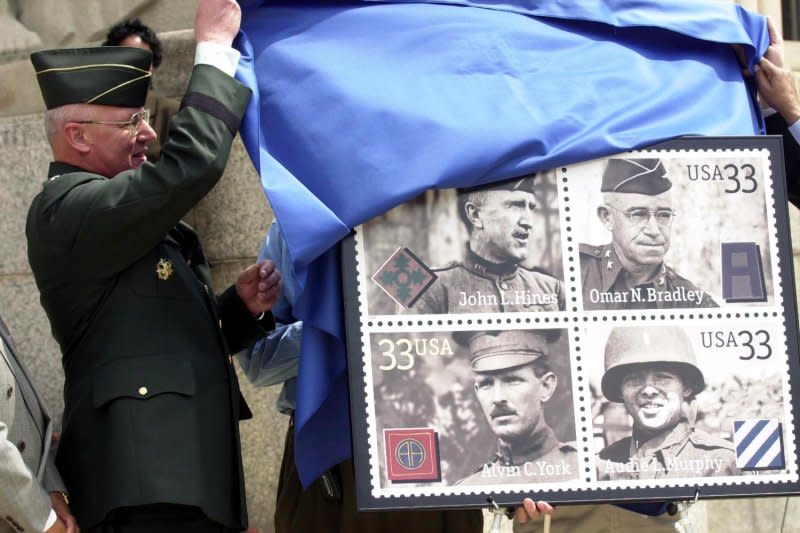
620 329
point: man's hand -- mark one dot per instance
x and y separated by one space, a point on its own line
774 52
66 522
259 286
531 509
217 21
778 88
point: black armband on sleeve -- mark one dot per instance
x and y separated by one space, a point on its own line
212 106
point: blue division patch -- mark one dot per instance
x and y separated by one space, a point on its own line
404 277
759 444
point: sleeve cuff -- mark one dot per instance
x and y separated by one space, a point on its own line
224 58
794 129
240 327
51 520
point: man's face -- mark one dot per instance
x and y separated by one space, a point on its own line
653 397
639 225
503 222
116 148
511 399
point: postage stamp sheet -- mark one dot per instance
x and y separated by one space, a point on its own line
601 331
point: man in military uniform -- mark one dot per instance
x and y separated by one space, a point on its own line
150 440
653 371
512 381
32 496
630 273
491 277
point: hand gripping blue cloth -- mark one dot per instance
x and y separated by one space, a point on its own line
360 106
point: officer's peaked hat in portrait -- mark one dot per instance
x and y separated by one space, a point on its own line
640 176
103 75
501 350
629 348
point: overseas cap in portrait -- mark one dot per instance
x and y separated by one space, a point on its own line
500 350
628 348
104 75
639 176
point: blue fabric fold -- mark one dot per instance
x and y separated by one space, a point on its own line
361 106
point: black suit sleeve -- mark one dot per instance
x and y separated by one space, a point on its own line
776 125
238 325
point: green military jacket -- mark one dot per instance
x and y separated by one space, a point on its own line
151 399
477 286
604 285
545 460
684 452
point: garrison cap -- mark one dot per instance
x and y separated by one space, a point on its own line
640 176
500 350
522 183
104 75
630 348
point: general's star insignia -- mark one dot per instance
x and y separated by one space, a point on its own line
610 265
164 269
608 253
661 280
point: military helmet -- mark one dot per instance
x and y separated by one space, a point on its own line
631 347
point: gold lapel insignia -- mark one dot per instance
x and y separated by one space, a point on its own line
164 269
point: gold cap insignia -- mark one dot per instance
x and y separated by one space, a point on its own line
164 269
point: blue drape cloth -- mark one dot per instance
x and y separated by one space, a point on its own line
361 106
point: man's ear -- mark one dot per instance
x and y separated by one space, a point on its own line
75 136
549 382
473 214
604 214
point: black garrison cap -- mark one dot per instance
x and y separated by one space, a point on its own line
641 176
104 75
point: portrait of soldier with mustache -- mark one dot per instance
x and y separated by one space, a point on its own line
513 380
653 371
492 277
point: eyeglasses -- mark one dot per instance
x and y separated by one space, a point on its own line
640 216
132 125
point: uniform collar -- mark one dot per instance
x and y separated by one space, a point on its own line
611 270
57 168
481 266
542 441
676 436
